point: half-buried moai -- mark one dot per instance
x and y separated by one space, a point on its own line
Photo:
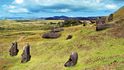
26 54
69 37
13 51
72 60
110 18
100 24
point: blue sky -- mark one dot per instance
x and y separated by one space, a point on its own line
45 8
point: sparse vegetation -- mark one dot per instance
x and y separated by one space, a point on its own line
71 22
96 50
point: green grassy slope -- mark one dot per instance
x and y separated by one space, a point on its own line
119 14
102 50
95 49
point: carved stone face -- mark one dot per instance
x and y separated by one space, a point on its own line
14 49
26 54
72 60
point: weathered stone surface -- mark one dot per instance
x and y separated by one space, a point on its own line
69 37
14 49
72 60
110 18
101 25
26 54
51 35
57 29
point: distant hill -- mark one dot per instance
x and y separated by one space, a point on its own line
119 14
66 17
50 18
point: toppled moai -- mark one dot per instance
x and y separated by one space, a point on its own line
101 25
13 51
110 18
57 29
51 35
69 37
26 54
72 60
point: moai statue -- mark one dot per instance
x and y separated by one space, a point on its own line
69 37
72 60
100 24
13 51
51 35
26 54
84 23
110 18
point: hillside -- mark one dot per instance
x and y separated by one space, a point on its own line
118 28
119 14
103 50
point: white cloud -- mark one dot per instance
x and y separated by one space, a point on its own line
98 1
61 6
18 1
62 10
18 10
69 2
111 6
11 7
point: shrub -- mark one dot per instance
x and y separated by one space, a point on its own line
71 22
